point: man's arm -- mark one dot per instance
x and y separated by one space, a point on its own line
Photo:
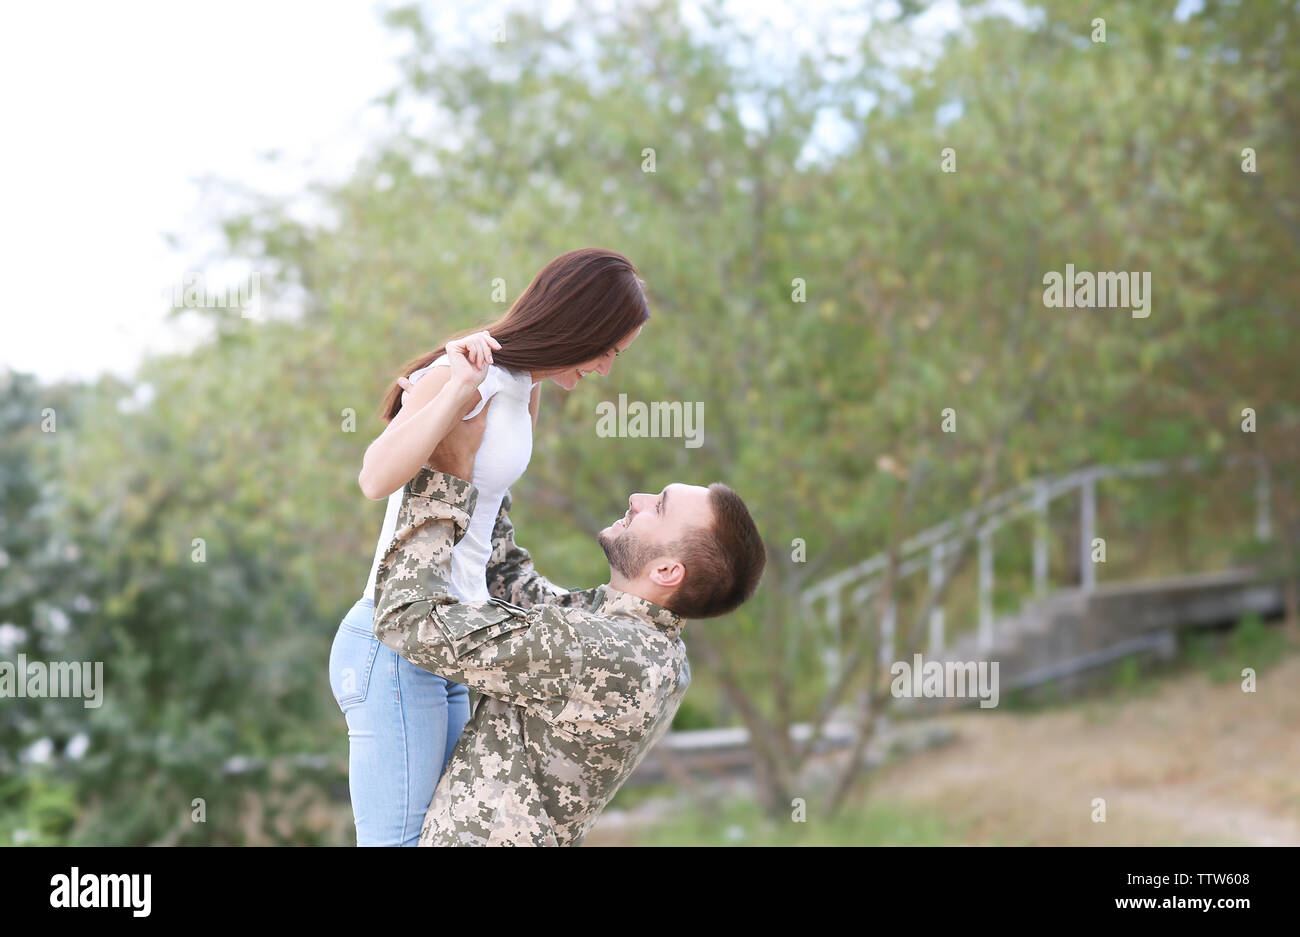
510 572
498 649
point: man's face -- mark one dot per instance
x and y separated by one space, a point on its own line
652 524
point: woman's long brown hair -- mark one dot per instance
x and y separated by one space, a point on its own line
579 306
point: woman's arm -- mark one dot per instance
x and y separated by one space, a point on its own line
435 404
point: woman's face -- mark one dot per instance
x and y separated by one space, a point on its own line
568 378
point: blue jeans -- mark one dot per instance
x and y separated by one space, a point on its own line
403 723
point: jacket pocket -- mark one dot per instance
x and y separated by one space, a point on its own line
469 626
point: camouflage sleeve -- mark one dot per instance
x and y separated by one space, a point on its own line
495 647
510 572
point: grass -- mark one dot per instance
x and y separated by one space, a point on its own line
1222 657
741 822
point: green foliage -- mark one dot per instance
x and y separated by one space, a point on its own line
36 809
1127 676
689 716
46 594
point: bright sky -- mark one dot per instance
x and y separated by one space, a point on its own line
116 114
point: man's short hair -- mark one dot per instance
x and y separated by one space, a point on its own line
724 561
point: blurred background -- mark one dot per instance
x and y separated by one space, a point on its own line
227 225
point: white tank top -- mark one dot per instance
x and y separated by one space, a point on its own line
502 458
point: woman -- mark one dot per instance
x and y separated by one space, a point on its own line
582 310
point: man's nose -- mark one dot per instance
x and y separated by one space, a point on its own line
637 501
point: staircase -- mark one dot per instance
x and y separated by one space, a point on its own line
1056 636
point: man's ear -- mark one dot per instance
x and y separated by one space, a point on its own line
667 571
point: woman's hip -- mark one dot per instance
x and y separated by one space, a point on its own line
364 670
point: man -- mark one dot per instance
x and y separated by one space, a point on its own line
575 686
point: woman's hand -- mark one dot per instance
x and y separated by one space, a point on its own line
470 357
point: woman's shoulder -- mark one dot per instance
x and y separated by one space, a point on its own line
491 382
499 380
504 381
439 362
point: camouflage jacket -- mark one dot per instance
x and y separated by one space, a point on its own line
576 686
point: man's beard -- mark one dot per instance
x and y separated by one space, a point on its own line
628 555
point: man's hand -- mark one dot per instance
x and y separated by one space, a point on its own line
455 454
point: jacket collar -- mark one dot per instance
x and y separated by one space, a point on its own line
611 601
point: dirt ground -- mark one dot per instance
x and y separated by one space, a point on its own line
1189 762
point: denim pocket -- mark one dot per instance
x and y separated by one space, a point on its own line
352 658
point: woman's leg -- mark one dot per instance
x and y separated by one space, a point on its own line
397 725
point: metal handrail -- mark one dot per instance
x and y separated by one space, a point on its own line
1032 496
